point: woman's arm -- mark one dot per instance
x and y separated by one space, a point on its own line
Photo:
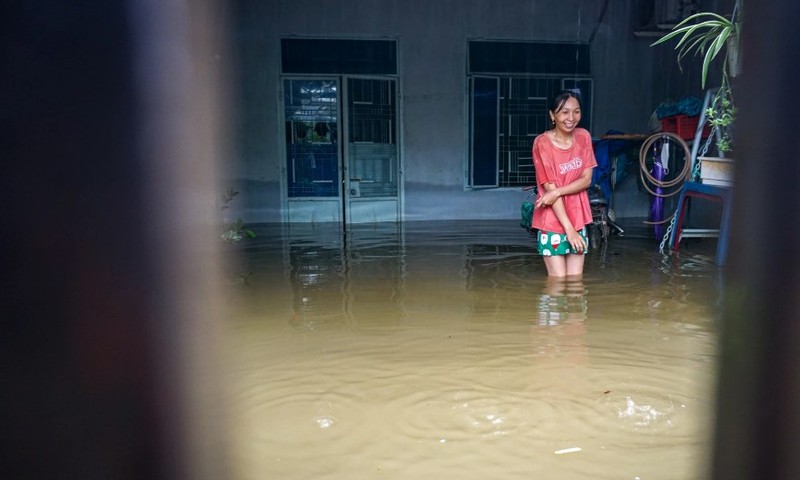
575 240
554 193
573 237
561 215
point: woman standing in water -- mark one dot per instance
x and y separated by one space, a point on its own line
563 157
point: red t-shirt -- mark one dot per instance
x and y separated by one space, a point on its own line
562 167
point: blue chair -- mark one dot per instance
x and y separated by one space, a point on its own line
717 193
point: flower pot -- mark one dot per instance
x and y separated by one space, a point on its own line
716 171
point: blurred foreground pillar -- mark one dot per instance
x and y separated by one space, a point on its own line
112 121
758 406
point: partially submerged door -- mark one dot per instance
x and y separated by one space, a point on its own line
371 167
313 153
341 171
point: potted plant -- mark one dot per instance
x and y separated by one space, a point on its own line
721 116
709 34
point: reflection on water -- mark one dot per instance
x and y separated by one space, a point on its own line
563 301
441 350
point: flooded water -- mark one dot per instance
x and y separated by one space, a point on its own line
440 350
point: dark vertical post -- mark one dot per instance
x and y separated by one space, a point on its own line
108 316
758 406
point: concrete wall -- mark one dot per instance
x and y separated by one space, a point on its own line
432 37
671 80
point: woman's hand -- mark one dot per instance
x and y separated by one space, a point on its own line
577 242
548 198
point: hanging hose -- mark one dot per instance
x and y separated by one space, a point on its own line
648 179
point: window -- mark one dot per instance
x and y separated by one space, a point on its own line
510 84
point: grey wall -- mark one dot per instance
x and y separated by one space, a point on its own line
671 80
431 38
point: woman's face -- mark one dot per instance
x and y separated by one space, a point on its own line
568 117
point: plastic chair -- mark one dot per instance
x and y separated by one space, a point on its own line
717 193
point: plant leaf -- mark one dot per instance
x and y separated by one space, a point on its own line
712 52
687 29
712 28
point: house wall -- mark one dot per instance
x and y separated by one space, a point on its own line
432 37
673 80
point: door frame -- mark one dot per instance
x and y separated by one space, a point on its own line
306 209
335 208
350 202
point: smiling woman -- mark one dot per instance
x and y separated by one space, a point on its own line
563 158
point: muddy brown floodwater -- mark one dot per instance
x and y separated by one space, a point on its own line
439 350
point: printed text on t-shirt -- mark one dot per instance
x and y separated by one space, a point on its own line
573 164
